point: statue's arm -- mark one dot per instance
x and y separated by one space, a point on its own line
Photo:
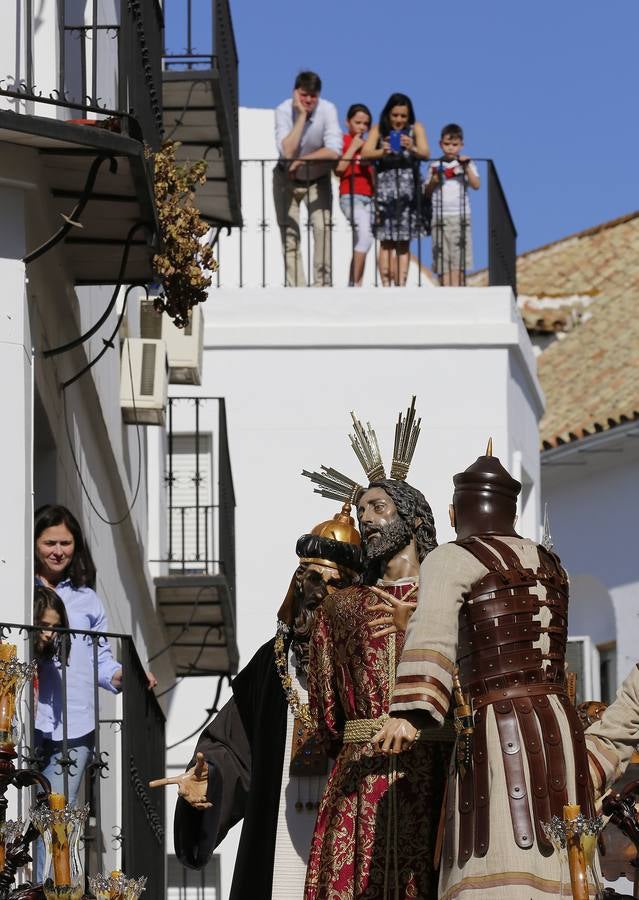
227 754
612 740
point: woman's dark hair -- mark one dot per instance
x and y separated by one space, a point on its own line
46 598
354 108
395 100
81 569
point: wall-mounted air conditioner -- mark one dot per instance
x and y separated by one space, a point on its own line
143 381
184 345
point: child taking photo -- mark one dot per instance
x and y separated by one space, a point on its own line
356 188
446 184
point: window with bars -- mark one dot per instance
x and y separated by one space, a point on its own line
190 468
188 884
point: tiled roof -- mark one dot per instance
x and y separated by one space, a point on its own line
588 287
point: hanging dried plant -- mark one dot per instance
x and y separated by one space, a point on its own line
184 264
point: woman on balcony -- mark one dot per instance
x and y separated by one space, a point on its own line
63 562
397 143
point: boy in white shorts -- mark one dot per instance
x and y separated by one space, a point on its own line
447 184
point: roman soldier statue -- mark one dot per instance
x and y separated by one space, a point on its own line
377 822
490 631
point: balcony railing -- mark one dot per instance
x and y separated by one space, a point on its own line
126 825
252 256
103 68
200 494
201 100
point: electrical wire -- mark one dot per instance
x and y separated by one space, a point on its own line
102 517
209 713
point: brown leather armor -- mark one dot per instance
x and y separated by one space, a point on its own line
500 666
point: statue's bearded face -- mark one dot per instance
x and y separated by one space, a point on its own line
384 532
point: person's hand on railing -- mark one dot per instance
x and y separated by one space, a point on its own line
396 613
116 680
192 785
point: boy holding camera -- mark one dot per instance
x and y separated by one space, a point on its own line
447 185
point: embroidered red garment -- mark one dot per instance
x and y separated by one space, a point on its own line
376 827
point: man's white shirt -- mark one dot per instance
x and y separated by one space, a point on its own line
320 130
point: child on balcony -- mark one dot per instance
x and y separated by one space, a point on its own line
49 612
447 185
356 189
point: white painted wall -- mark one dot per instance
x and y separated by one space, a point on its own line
16 375
592 491
291 364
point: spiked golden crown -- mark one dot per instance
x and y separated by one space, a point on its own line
337 486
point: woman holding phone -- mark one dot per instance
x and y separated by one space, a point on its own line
397 144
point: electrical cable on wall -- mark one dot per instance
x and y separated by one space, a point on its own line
77 467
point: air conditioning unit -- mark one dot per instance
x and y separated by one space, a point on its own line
184 345
144 381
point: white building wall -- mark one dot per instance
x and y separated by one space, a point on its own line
592 491
291 364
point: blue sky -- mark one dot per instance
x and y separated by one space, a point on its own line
548 89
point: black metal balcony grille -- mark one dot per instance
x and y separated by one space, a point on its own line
128 751
88 54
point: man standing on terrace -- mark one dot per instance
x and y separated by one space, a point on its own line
308 139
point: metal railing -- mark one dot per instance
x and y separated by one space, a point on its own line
253 256
201 37
103 68
127 751
200 493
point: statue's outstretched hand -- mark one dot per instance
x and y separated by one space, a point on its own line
192 785
396 613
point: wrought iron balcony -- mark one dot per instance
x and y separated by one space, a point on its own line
252 256
196 596
201 101
87 96
126 824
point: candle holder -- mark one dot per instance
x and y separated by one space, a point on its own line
560 832
555 831
13 677
60 829
116 886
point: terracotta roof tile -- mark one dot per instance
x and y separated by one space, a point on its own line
591 376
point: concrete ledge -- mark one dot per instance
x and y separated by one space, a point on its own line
347 319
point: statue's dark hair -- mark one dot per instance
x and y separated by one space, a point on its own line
312 546
81 569
411 504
